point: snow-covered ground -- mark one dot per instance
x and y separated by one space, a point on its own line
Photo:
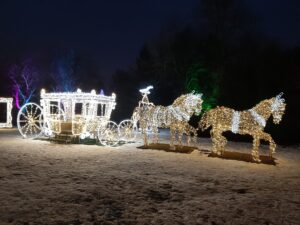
47 183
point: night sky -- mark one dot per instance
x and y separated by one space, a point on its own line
113 32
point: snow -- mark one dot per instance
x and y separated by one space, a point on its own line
47 183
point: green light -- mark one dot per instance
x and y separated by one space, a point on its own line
200 80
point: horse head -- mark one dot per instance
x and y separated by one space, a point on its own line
189 103
277 108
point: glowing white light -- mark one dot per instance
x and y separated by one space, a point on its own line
235 122
250 122
8 102
79 113
259 119
175 116
146 90
278 102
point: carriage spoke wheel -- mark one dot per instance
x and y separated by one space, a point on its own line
30 120
127 130
108 135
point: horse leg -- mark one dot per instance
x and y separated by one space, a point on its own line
155 134
272 144
172 138
254 153
223 142
219 142
180 133
145 136
195 138
214 141
188 137
144 133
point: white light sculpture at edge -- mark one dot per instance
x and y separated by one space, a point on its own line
8 102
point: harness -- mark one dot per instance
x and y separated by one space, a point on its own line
258 118
235 122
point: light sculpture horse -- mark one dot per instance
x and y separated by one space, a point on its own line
250 122
175 117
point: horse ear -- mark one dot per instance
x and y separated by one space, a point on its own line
280 95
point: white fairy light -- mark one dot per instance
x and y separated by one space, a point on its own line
67 103
278 102
58 112
175 116
235 122
250 122
259 119
8 102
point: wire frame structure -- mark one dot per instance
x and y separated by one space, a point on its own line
78 113
9 106
252 122
150 117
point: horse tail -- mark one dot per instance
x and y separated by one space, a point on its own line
205 121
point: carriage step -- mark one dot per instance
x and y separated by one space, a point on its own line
63 138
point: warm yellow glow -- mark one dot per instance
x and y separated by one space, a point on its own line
250 122
175 116
85 114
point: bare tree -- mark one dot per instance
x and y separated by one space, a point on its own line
24 81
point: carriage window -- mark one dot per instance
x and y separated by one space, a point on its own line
78 108
3 112
101 110
53 107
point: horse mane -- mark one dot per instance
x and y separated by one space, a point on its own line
179 100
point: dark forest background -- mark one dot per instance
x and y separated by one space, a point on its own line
222 53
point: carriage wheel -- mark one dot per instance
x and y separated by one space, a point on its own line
127 130
108 134
30 120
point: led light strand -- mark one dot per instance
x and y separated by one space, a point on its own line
250 122
235 122
259 119
175 116
58 109
9 104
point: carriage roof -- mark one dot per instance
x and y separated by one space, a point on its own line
79 97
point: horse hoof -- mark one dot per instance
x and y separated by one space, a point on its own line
257 160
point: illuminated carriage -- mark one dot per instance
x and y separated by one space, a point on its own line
75 114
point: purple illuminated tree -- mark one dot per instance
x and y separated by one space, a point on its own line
24 79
